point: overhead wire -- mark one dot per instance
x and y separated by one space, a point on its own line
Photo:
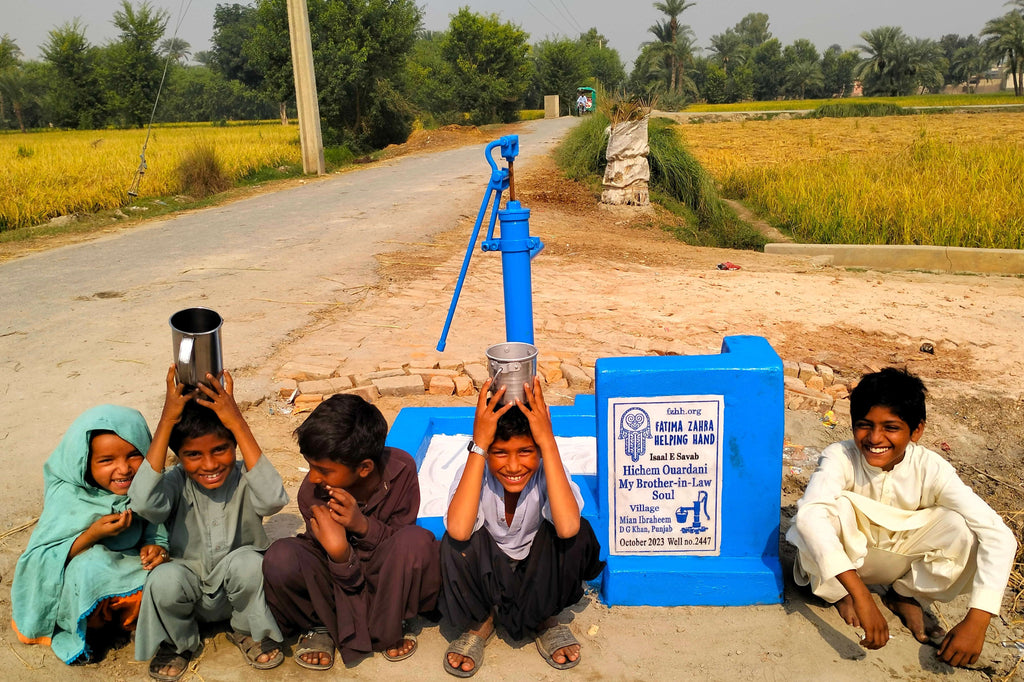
572 18
133 189
537 9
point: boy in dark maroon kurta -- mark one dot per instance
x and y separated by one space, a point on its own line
362 566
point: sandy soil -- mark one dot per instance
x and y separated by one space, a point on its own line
611 282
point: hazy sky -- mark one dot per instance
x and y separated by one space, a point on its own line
623 22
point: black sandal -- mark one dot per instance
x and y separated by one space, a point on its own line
165 656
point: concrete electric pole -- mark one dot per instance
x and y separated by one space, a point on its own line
310 137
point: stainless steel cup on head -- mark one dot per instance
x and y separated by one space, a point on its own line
511 364
195 339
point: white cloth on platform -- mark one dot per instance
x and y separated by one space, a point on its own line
918 528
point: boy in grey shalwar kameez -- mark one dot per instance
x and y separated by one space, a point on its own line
213 508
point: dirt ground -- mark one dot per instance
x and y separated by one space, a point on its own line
611 282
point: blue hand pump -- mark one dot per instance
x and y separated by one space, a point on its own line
514 242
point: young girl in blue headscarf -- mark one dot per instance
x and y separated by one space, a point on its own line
88 557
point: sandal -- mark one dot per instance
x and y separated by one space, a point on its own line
251 650
316 641
165 656
553 639
401 657
472 647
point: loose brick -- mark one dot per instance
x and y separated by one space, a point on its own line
477 374
325 386
308 400
464 385
576 377
806 371
367 378
441 385
837 391
815 382
389 366
790 368
306 369
826 374
791 383
551 371
428 373
367 393
399 386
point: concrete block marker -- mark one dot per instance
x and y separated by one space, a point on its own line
689 469
441 385
477 373
367 393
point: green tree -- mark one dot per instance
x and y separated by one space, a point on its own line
604 63
490 65
266 52
1004 37
837 66
76 96
768 66
359 53
428 77
10 55
753 29
200 93
233 27
133 67
561 68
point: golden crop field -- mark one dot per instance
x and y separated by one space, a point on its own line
47 174
943 179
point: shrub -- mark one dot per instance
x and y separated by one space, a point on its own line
857 110
201 173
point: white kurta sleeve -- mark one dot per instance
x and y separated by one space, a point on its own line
813 531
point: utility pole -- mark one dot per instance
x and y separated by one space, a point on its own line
310 137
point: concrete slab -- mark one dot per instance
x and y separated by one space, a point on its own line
947 259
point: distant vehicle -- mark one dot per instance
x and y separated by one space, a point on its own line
586 100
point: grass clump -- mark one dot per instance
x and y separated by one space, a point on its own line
201 172
858 110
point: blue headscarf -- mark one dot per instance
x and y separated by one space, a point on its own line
49 598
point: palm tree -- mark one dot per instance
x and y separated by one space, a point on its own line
175 48
672 9
729 49
969 64
879 70
1006 41
803 75
18 88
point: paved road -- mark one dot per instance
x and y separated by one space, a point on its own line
87 324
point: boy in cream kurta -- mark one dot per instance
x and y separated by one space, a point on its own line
881 509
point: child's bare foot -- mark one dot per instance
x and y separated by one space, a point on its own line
845 608
405 648
466 663
566 654
315 650
923 626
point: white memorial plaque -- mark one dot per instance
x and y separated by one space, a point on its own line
665 475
